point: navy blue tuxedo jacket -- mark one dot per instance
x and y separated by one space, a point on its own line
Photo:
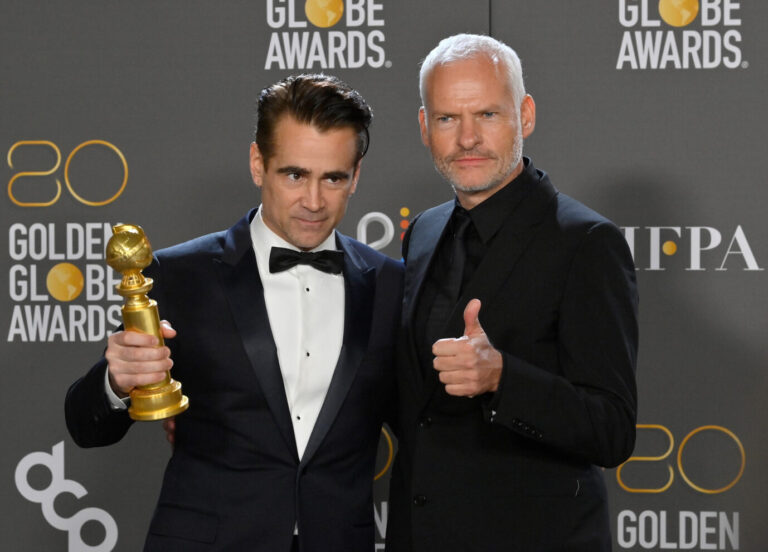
516 470
234 481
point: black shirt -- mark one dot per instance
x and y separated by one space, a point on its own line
487 219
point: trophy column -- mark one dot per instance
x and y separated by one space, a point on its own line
129 252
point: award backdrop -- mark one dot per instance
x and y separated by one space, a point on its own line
651 112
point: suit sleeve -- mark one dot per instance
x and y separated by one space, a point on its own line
91 420
588 409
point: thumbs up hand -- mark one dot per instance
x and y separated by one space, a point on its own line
468 365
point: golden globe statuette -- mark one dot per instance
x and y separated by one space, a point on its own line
129 252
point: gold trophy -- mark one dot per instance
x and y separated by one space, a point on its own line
129 252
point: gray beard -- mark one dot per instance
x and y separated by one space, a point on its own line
498 179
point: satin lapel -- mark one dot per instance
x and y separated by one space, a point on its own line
360 286
507 248
245 295
428 229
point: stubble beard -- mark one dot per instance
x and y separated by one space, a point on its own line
508 164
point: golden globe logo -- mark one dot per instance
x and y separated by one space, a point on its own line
293 45
60 288
680 34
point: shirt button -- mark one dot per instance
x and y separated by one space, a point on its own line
425 422
419 500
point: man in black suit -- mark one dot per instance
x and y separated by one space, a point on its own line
516 372
284 347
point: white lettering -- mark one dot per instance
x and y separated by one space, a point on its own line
744 250
374 7
655 235
17 246
17 283
374 39
695 530
696 247
688 529
275 14
292 21
355 13
710 12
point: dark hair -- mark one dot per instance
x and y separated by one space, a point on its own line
323 101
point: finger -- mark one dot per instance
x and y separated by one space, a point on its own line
126 382
130 338
471 318
449 346
118 354
169 425
452 363
168 331
459 390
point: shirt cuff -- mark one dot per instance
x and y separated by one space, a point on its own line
115 402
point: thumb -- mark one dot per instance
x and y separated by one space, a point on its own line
167 330
471 321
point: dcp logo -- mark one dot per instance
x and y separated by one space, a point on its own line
46 497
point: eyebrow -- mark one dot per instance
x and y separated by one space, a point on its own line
290 169
340 175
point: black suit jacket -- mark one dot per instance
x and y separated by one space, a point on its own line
235 481
516 470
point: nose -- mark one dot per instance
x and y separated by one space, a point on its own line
312 199
469 135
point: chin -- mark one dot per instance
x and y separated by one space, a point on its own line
473 188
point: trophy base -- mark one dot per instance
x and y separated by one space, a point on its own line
157 403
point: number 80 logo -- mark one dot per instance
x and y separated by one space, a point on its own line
67 180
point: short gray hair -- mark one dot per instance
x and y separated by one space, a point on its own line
469 46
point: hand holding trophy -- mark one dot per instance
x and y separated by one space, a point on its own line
129 252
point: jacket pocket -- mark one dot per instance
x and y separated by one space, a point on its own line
183 523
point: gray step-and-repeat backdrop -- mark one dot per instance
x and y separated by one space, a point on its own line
652 112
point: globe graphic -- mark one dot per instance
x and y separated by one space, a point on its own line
128 249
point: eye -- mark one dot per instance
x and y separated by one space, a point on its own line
294 176
489 114
336 181
444 119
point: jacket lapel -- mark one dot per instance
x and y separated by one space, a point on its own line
359 285
245 295
430 227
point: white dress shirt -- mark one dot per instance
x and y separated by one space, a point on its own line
306 313
305 307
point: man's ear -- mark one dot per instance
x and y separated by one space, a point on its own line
423 126
256 162
527 115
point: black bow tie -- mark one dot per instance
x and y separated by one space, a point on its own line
327 260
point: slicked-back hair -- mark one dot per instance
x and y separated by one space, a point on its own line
470 46
322 101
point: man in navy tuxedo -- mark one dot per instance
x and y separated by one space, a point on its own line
283 339
516 370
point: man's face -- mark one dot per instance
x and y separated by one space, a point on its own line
307 181
472 128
